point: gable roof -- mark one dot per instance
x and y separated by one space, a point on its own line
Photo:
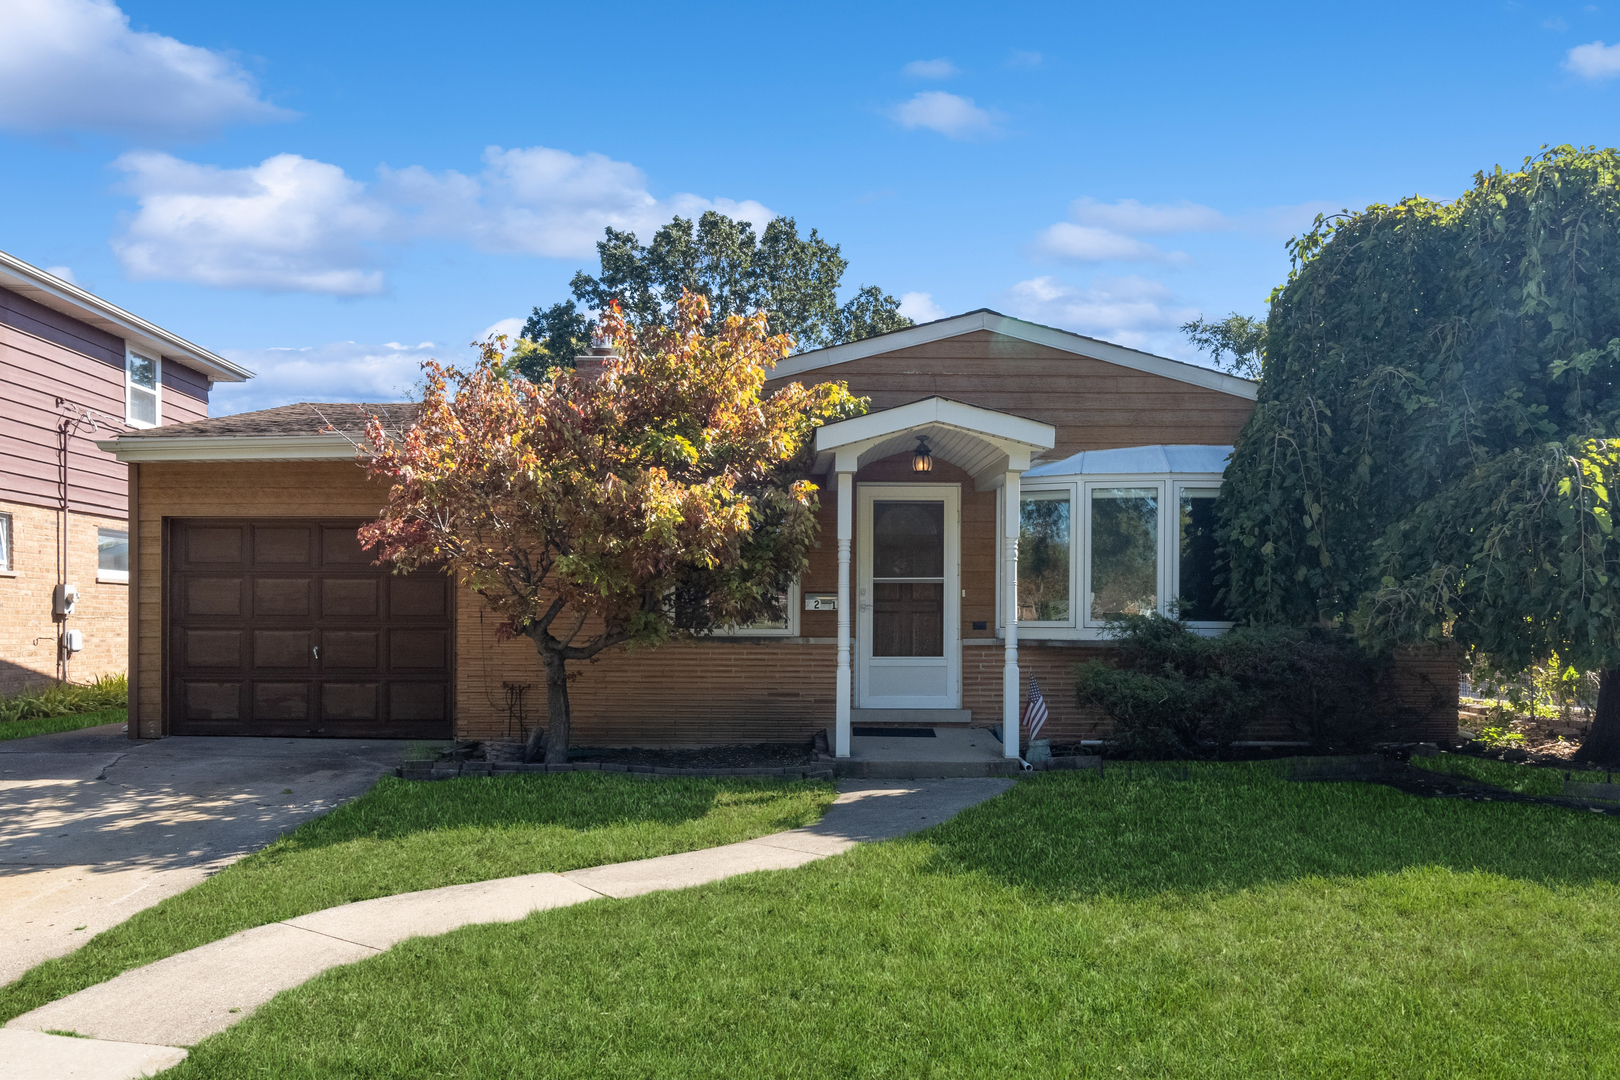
1006 325
51 291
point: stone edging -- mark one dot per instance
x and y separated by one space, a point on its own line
444 770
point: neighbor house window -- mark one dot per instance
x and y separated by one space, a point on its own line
112 555
1197 590
1124 543
688 615
1044 563
5 543
141 403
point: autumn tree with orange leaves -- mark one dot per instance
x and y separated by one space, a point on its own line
663 499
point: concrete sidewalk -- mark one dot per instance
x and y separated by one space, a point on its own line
183 999
98 827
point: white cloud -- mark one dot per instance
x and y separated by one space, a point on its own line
920 307
510 327
77 65
1086 243
291 224
1131 217
931 69
288 224
1596 61
63 272
340 371
1134 311
948 114
1021 58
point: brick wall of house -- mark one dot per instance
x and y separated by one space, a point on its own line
28 632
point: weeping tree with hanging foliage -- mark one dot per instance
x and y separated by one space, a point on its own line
1437 439
662 499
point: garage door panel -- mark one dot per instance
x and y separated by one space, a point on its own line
341 649
211 700
419 596
350 701
213 649
418 650
209 595
282 546
287 628
417 701
291 649
214 545
349 598
281 700
283 596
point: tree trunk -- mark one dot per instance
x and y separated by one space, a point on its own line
557 717
1602 743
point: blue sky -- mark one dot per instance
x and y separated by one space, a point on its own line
329 192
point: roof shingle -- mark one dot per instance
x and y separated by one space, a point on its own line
304 418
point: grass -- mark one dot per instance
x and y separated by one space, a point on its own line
66 699
1522 779
1232 925
45 725
403 836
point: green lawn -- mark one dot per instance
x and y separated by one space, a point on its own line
403 836
45 725
1234 925
1523 779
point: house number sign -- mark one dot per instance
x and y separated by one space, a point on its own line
821 601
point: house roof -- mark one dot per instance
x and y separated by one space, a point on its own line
984 442
52 292
1138 459
303 431
1006 325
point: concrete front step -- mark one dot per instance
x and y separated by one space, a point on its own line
923 770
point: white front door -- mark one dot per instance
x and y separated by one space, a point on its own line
908 596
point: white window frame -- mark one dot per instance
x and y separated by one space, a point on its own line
114 577
1080 626
8 544
791 630
156 389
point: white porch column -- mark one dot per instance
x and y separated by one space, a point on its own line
846 681
1009 578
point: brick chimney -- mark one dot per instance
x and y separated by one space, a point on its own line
588 366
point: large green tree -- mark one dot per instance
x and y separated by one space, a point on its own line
793 279
1433 450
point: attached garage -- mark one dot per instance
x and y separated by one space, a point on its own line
284 627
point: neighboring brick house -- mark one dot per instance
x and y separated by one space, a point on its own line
74 369
260 615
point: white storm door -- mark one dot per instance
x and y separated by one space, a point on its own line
908 596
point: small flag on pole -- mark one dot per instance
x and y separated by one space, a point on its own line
1035 711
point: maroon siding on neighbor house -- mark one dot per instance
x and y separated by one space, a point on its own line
54 356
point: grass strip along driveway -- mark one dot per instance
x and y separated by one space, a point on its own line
46 725
403 836
1232 925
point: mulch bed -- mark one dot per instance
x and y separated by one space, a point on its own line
749 756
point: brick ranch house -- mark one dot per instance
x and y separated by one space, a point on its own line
75 368
926 602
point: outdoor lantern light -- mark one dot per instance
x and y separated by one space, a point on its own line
922 459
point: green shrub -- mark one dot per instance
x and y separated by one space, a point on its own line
1176 693
67 699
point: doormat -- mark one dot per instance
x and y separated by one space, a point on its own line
893 732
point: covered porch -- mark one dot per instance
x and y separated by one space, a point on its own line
902 477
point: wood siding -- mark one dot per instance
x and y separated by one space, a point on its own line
34 372
1094 405
32 317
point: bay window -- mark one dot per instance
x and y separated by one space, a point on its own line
1092 547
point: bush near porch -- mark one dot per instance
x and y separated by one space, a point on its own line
1232 925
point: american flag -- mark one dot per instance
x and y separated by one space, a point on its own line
1035 711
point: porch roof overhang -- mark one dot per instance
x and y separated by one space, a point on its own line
982 442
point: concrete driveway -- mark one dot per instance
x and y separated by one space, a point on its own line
97 827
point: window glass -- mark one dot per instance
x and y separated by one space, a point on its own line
908 540
1124 551
1198 588
143 390
908 544
5 542
112 551
1043 556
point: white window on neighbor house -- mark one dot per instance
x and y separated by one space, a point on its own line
1093 548
5 544
785 626
112 555
142 393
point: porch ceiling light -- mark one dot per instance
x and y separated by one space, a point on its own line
922 459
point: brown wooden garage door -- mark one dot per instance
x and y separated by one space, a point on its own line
283 627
